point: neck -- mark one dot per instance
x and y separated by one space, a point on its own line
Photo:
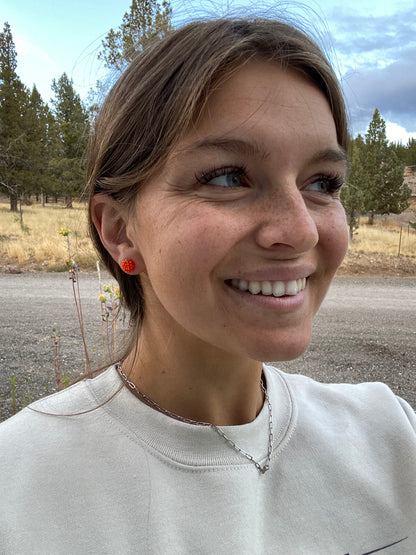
194 380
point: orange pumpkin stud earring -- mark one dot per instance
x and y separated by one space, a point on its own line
128 265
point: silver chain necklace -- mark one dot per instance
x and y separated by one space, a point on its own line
219 431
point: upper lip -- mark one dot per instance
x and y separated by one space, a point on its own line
275 274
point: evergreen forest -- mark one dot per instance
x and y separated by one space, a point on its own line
42 145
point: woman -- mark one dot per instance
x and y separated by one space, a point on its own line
214 171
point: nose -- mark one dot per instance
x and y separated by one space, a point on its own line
287 222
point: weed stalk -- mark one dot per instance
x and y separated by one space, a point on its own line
110 306
100 298
57 360
73 270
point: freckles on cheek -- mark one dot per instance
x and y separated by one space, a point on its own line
337 243
333 233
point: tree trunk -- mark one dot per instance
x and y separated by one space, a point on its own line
68 201
371 218
13 201
351 226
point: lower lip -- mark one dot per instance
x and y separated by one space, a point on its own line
286 303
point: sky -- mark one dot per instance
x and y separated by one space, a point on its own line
371 44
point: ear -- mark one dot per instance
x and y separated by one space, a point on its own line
110 221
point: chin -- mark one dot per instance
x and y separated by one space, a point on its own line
280 353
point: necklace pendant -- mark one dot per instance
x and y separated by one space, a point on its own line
264 468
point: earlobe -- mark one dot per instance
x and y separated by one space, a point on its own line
110 222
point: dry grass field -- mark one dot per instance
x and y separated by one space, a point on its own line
385 239
36 245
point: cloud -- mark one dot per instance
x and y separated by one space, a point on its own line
395 133
391 89
378 61
357 33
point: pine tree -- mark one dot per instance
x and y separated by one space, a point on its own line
145 21
400 150
410 153
14 99
72 127
352 196
385 191
38 125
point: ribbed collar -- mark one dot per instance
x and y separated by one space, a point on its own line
191 445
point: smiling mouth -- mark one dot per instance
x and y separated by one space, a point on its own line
274 288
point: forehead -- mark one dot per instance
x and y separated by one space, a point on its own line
263 104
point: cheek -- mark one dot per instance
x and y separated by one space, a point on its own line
334 235
192 247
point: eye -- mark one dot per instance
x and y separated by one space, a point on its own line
320 186
224 177
226 180
326 184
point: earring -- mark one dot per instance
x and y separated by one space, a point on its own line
128 265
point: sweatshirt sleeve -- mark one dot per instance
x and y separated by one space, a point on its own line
409 412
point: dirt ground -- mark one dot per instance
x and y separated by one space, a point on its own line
377 265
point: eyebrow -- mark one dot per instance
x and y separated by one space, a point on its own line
236 146
254 149
338 154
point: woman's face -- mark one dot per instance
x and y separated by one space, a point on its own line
241 233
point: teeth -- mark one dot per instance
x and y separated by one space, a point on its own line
279 288
266 288
243 285
275 288
254 287
292 287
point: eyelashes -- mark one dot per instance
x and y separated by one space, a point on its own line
224 177
331 183
231 177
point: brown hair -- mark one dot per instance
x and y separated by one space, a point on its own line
163 92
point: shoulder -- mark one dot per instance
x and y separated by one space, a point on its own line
360 430
53 419
371 404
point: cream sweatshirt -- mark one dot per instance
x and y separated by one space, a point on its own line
125 478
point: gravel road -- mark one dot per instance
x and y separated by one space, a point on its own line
365 331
